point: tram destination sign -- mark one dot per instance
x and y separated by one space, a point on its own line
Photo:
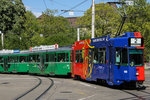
135 42
45 47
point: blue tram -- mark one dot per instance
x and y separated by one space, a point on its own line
114 60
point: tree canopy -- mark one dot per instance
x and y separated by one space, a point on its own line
106 20
22 29
11 15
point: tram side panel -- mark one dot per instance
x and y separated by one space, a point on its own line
1 64
63 63
34 63
98 59
80 59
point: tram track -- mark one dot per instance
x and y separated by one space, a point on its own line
29 93
145 96
46 89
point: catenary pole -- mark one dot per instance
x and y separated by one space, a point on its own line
2 39
93 18
78 34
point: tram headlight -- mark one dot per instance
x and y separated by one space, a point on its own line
137 74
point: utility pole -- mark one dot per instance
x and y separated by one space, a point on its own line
93 18
78 34
2 39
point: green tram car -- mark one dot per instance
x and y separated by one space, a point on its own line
45 62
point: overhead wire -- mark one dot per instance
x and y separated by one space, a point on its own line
45 4
75 6
63 5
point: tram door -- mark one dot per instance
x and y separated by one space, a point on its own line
110 64
42 60
16 65
5 64
72 62
52 63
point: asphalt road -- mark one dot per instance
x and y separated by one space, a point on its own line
13 86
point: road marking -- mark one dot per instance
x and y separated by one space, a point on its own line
87 85
87 97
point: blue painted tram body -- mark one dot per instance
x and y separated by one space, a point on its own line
115 60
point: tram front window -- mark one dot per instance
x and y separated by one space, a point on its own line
136 57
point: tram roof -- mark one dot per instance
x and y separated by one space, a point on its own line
66 48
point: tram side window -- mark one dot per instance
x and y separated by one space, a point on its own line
22 59
1 59
61 57
102 55
118 55
81 56
67 57
52 57
12 59
33 58
47 57
38 58
9 59
95 52
78 56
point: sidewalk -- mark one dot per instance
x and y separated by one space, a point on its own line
147 65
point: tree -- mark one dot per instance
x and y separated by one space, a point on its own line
56 29
11 15
139 21
31 29
106 20
11 21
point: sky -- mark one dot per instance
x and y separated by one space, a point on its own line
79 6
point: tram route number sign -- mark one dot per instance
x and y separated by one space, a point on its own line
135 42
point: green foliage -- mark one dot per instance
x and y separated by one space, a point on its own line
22 29
11 15
139 21
106 20
31 30
12 41
11 21
55 29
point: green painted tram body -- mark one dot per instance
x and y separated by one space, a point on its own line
45 62
14 63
